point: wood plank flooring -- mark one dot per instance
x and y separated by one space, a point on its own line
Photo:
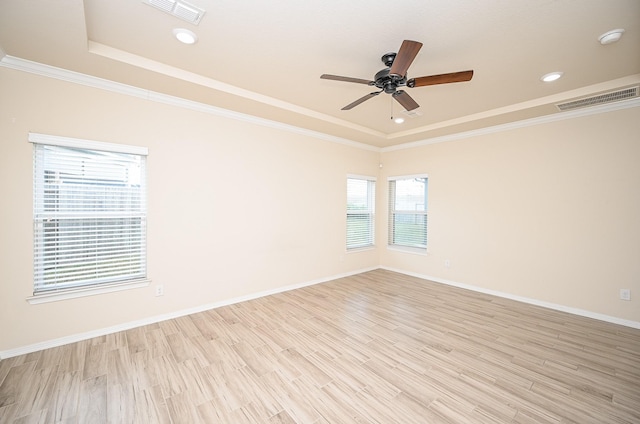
378 347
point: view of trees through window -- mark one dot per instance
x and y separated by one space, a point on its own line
408 212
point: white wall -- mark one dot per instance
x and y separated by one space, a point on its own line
549 212
234 208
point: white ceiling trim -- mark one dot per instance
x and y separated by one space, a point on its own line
24 65
625 104
171 71
541 101
181 74
103 84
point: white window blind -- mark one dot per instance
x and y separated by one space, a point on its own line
361 193
408 211
89 215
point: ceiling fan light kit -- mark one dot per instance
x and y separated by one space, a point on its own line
394 76
550 77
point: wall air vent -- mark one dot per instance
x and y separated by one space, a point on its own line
613 96
179 9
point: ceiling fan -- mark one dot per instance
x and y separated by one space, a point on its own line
395 75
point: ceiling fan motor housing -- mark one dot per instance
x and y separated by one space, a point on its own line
389 83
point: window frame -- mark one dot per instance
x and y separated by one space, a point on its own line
370 211
391 242
95 286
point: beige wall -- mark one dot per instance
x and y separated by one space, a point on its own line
234 208
548 212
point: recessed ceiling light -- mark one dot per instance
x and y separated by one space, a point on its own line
611 36
552 76
185 36
398 120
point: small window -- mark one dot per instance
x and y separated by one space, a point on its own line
90 214
361 193
408 211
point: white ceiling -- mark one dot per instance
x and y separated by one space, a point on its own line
264 58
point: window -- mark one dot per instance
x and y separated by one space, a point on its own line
361 193
89 213
408 211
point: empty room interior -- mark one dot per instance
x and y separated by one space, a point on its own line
319 212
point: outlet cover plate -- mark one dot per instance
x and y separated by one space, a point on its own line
625 294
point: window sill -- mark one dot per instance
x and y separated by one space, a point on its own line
86 291
412 250
360 249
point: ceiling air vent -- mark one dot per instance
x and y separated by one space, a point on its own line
614 96
179 9
412 113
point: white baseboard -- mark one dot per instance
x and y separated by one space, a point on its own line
549 305
201 308
151 320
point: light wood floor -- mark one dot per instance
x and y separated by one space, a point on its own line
378 347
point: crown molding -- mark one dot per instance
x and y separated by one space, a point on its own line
560 116
177 73
48 71
585 91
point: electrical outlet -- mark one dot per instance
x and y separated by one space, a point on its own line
447 263
625 294
159 290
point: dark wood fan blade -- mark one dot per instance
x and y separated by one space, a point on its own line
440 79
360 100
408 51
405 100
346 79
